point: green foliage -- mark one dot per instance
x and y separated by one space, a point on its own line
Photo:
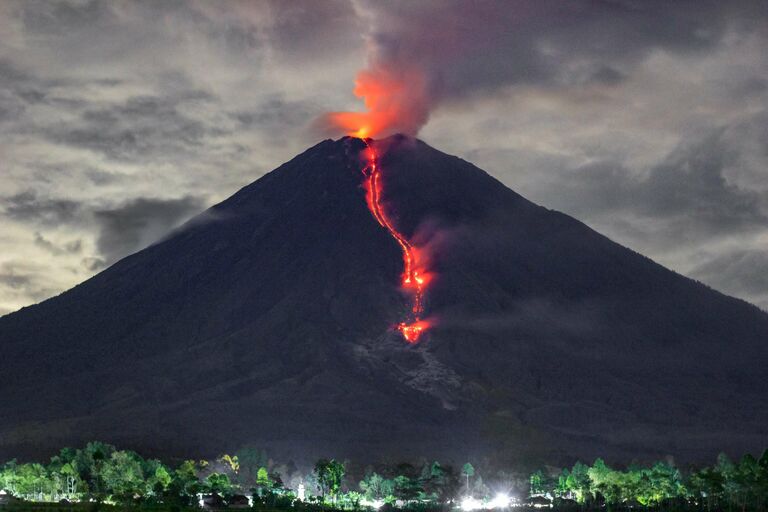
218 483
108 477
330 474
262 477
725 486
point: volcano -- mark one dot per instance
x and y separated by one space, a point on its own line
271 320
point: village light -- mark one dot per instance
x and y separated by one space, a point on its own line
501 500
470 503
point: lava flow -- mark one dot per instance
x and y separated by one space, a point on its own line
414 277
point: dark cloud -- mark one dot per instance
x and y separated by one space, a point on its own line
28 207
138 223
14 281
142 127
688 190
307 29
469 48
26 279
275 117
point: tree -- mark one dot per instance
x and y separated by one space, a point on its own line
122 476
219 483
70 479
537 483
406 489
262 477
329 475
89 463
372 486
31 481
230 462
708 484
603 480
468 471
250 459
439 483
579 483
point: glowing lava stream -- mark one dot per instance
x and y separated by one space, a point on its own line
414 280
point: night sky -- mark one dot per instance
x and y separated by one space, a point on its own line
120 120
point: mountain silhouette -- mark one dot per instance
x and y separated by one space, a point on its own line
268 320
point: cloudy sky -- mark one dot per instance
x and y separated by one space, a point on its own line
119 120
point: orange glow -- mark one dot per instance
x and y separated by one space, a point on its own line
415 276
396 100
411 332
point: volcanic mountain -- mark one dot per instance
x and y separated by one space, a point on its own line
268 320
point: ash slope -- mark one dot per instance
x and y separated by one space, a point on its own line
267 320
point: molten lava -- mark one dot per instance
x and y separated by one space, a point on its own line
415 277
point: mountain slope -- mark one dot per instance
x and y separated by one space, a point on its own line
267 319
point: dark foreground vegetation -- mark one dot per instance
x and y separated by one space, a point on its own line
101 477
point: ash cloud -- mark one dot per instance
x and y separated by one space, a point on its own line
427 54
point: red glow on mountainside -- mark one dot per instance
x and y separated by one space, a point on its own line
415 277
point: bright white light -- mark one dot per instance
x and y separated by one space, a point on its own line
376 504
501 500
470 503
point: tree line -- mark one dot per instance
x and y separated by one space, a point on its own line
102 473
726 485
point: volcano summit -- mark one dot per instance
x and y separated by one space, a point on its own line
270 319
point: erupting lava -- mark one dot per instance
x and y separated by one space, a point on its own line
414 278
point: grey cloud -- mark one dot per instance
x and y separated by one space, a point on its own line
138 223
25 279
28 207
275 117
93 264
608 76
688 190
475 47
63 16
13 280
306 29
141 128
71 247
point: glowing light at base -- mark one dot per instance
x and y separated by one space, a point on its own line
469 503
501 500
415 277
374 504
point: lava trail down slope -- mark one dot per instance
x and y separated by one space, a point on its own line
414 279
